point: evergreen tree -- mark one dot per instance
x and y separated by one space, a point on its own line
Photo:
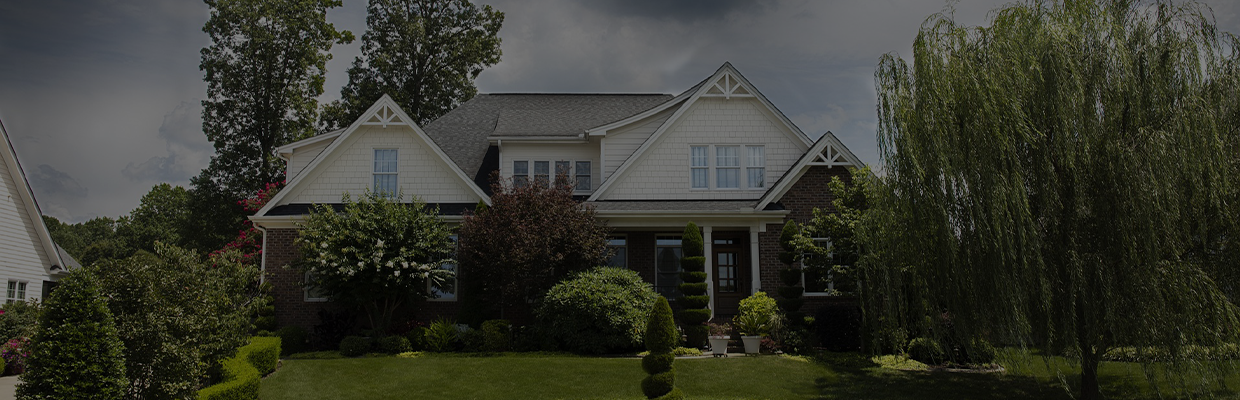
77 354
661 338
696 300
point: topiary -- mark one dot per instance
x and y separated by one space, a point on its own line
76 351
394 345
293 339
694 301
661 338
597 311
354 346
695 314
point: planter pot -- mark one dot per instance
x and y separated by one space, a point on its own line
719 346
752 344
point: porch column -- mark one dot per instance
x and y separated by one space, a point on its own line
710 271
755 269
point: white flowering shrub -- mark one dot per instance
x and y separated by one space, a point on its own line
376 252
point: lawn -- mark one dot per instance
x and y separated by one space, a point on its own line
767 377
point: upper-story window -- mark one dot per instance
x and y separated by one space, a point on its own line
579 172
385 172
726 163
582 176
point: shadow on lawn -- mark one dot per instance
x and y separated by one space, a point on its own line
856 378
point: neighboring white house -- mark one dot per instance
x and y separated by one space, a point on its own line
719 155
30 263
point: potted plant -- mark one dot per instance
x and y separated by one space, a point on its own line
720 334
753 327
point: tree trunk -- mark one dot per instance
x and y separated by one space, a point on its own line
1089 375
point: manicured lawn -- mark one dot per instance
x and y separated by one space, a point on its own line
767 377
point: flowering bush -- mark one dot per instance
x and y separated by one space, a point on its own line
249 240
15 352
724 329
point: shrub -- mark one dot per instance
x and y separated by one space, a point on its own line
417 338
759 304
243 371
694 301
18 319
926 350
597 311
838 327
441 336
354 346
394 345
15 353
293 339
263 353
333 327
77 353
660 337
497 335
472 340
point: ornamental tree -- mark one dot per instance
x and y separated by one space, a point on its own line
1055 178
76 354
376 253
696 300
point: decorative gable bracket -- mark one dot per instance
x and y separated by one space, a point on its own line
831 156
384 117
727 86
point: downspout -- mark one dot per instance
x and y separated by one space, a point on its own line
262 267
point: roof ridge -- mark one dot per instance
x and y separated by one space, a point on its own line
573 94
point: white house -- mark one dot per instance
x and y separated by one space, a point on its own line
719 154
30 263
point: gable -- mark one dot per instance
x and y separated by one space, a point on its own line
303 156
23 255
620 144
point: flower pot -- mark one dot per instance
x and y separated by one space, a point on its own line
719 346
752 344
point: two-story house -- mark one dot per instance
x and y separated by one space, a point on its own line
719 154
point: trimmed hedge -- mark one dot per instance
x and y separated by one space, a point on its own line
293 339
394 345
243 372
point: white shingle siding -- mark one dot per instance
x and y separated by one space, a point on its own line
350 169
302 157
662 172
22 256
622 142
550 152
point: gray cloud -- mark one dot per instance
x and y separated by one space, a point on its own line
188 149
683 10
55 184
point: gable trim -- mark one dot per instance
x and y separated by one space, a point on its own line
836 154
291 147
32 207
393 115
725 72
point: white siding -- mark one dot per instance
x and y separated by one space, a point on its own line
350 169
622 142
302 157
22 256
662 172
550 152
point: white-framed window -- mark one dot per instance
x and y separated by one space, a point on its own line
667 255
17 292
619 252
699 168
733 167
520 173
312 293
817 281
581 174
385 175
447 290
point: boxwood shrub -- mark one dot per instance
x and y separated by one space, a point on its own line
354 346
394 345
243 371
293 339
597 311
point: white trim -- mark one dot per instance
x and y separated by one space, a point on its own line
839 156
291 147
392 112
602 130
540 139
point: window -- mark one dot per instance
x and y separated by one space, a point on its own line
619 252
667 266
729 163
542 174
17 292
698 169
520 173
447 290
582 177
385 172
815 273
756 167
727 167
313 293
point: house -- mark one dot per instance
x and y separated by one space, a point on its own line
719 154
30 262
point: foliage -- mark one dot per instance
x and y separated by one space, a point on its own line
441 336
243 371
926 350
394 344
693 263
16 353
661 338
376 253
160 216
850 198
424 53
601 310
249 240
790 276
724 329
531 238
757 315
838 327
899 362
76 238
293 339
497 334
1013 154
354 346
19 319
76 352
1225 351
332 327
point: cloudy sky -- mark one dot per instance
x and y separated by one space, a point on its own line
102 98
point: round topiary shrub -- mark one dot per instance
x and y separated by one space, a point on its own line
394 345
661 338
293 339
77 353
597 311
354 346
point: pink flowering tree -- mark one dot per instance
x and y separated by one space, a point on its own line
376 253
249 241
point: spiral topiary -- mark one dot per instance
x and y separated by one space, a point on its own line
693 265
661 338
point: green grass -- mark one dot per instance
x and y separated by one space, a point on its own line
545 376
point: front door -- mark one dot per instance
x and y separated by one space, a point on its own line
731 271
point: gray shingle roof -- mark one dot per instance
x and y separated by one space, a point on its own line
462 133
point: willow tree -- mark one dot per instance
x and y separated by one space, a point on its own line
1054 179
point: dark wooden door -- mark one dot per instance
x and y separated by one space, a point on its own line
730 262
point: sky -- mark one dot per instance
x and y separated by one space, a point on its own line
102 98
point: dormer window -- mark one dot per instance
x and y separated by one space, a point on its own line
726 163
